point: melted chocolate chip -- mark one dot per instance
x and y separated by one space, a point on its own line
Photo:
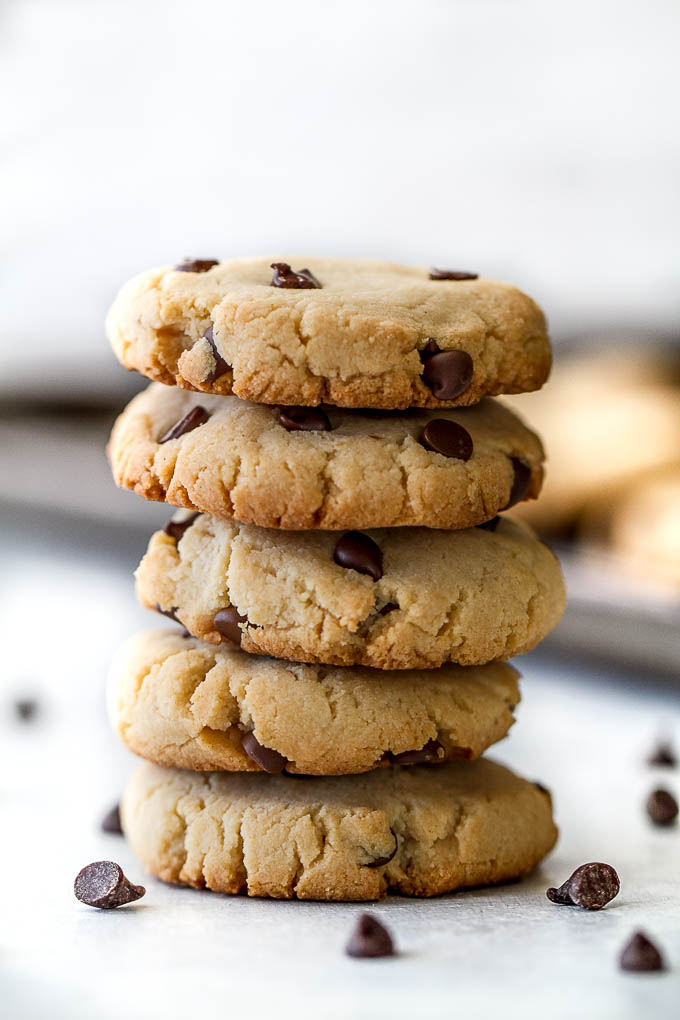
369 939
226 621
591 886
111 821
447 438
430 348
195 265
378 862
104 885
268 759
448 373
284 276
357 551
221 366
490 525
304 419
641 955
175 529
170 613
430 752
389 607
191 420
452 274
520 483
663 756
662 807
26 709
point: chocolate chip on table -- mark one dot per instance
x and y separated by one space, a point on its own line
447 373
26 709
389 607
369 939
227 621
520 482
111 821
662 807
447 438
640 955
195 417
304 419
663 756
591 887
284 276
175 529
268 759
357 551
104 885
170 613
221 366
378 862
490 525
432 751
452 274
195 265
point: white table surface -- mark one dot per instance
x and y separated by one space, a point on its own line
179 953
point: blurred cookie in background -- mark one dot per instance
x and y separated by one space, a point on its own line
644 526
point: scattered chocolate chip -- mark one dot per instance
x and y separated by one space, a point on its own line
357 551
662 807
284 276
430 348
104 885
447 438
591 887
227 622
452 274
378 862
663 756
221 366
195 417
304 419
369 939
448 373
520 483
175 529
389 607
268 759
170 613
490 525
430 752
26 709
640 954
195 265
111 821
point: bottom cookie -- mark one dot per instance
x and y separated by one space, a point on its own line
421 831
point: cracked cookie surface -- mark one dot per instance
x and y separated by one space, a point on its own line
468 596
353 342
369 470
419 831
178 701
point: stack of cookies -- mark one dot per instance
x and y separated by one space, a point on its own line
345 590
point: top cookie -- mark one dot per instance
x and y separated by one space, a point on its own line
352 332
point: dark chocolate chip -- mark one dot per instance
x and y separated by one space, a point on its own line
170 613
268 759
662 807
227 622
175 529
448 373
304 419
26 709
111 821
389 607
369 939
430 348
641 955
284 276
591 887
430 752
452 274
490 525
378 862
104 885
357 551
221 366
520 482
195 417
195 265
663 756
447 438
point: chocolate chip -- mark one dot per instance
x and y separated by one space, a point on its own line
175 529
490 525
369 939
195 265
221 366
430 348
640 954
389 607
268 759
591 887
284 276
663 756
26 709
111 821
447 438
378 862
662 807
452 274
170 613
227 622
104 885
520 482
448 373
195 417
430 752
357 551
304 419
